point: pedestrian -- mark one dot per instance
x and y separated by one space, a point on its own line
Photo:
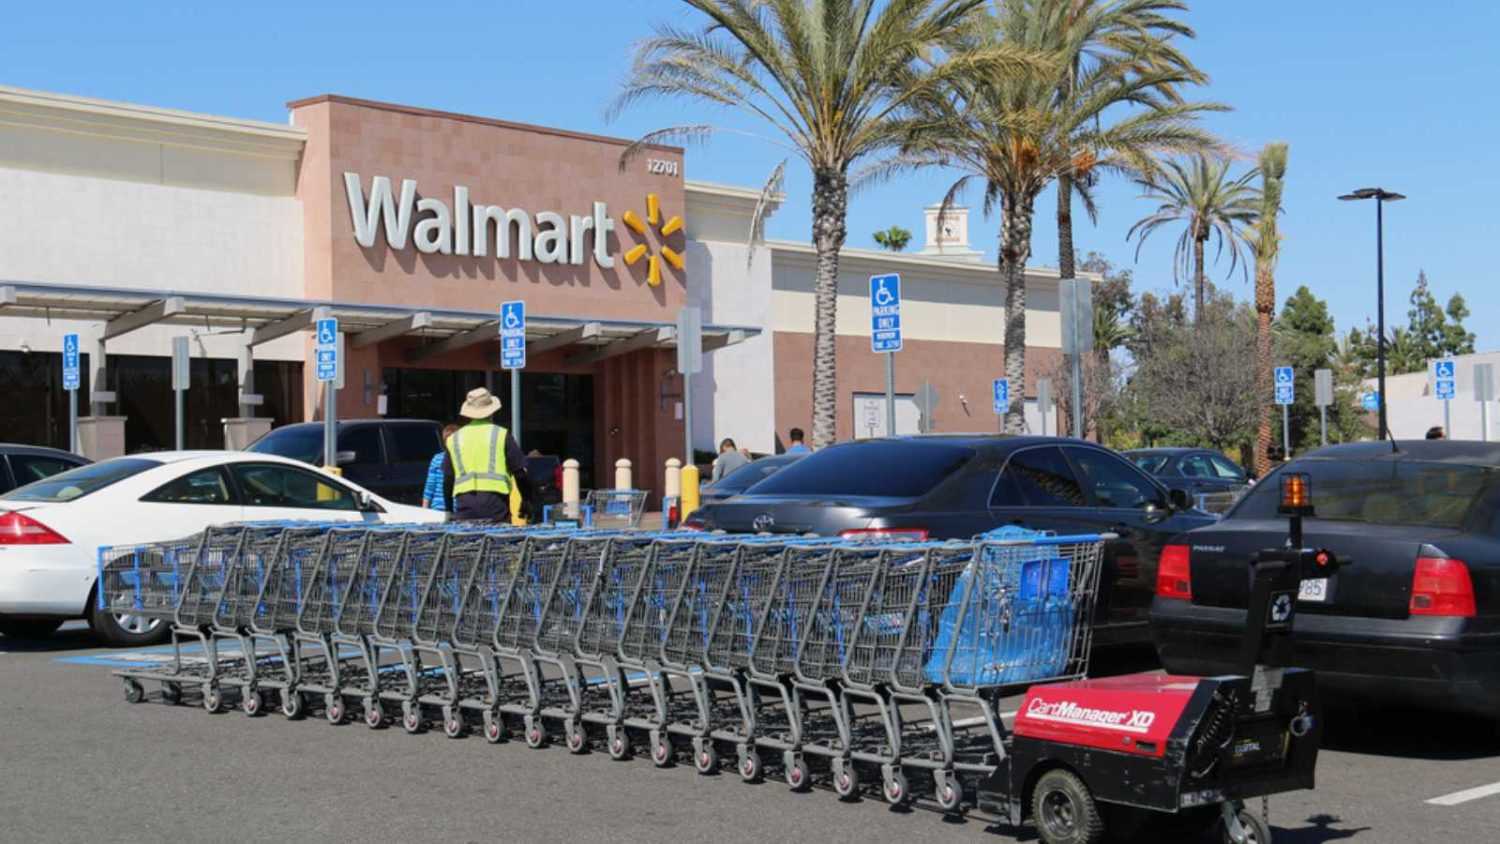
1436 432
797 446
432 492
729 459
483 464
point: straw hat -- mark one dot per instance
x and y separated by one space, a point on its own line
479 404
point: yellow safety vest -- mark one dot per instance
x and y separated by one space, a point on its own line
477 451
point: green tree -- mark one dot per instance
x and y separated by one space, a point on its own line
1213 205
894 238
1264 239
1431 332
1305 339
832 78
1014 135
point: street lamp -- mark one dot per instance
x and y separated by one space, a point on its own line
1381 196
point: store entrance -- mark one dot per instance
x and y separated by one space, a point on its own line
557 410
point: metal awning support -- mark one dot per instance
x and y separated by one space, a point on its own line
153 313
248 399
391 330
299 321
650 338
586 331
484 332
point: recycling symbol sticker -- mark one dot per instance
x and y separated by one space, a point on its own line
1281 608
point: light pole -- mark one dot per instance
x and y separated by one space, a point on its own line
1381 196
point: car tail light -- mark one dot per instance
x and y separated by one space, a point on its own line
1173 574
20 529
1442 586
890 534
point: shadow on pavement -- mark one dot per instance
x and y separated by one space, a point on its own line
69 638
1409 734
1320 828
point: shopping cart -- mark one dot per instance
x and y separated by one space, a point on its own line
506 683
355 622
396 621
323 668
146 582
615 508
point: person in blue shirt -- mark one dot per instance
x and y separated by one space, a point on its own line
797 446
432 491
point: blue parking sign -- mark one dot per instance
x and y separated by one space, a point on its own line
1285 385
885 313
513 335
1002 396
70 362
1370 401
1444 378
326 333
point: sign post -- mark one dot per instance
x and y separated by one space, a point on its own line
328 369
1285 393
181 378
1484 393
1323 397
70 378
689 363
927 399
1445 386
1076 309
513 356
1044 400
885 335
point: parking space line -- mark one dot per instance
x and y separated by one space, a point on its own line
1466 795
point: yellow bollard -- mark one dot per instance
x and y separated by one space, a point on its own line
326 492
689 490
515 505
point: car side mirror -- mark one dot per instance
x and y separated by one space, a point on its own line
343 457
1179 500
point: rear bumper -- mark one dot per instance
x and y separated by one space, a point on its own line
1379 660
45 582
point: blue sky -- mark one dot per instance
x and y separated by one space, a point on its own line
1367 92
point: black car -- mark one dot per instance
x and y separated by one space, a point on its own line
389 457
1196 471
1413 613
954 487
747 476
22 464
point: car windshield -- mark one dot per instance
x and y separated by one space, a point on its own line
76 483
1152 463
1403 492
881 468
300 442
748 475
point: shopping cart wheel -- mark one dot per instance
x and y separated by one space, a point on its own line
333 708
578 740
706 758
213 699
252 702
453 723
134 691
536 738
411 718
1256 830
750 765
798 777
171 694
494 728
947 793
897 790
374 714
845 780
661 750
291 704
619 748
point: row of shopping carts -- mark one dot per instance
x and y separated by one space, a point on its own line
833 659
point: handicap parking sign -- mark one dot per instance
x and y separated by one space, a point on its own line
885 313
1002 396
1285 389
1444 380
1370 401
70 362
513 335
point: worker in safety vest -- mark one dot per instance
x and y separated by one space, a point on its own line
483 463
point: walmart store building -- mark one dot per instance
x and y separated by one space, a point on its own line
132 226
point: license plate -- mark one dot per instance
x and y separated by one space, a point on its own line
1314 589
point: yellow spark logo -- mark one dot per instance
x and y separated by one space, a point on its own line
665 230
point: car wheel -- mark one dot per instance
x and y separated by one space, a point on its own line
127 629
29 628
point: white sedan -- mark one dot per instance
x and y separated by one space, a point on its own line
51 530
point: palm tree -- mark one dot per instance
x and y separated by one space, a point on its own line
1264 239
1202 194
1013 134
833 78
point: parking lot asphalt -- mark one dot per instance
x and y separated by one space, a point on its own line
81 764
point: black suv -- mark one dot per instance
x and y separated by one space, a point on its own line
389 457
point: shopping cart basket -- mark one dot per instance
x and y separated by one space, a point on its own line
615 508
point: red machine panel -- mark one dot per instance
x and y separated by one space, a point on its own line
1130 714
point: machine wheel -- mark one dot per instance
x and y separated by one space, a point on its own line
845 781
134 691
578 740
213 699
171 694
706 759
453 722
1256 830
619 748
896 789
291 704
750 766
1064 811
252 702
374 714
494 729
948 794
661 751
333 708
411 718
798 777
